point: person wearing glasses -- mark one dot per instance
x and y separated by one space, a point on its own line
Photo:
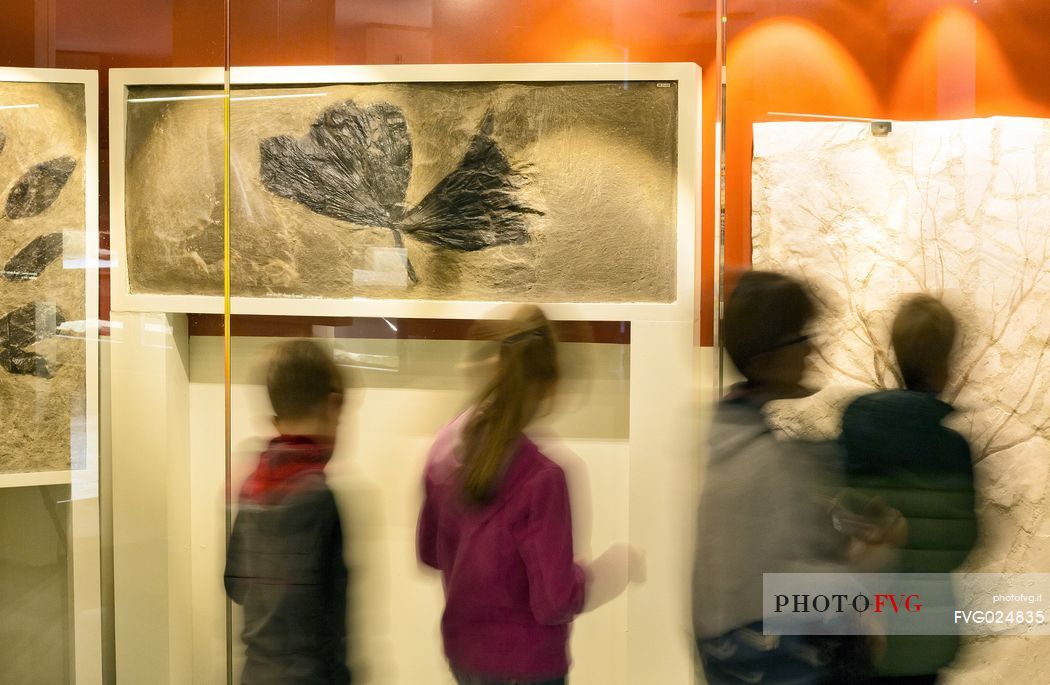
763 506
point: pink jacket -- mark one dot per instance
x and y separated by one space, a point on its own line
511 585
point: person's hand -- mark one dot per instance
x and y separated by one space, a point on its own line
869 520
625 558
609 574
637 566
894 528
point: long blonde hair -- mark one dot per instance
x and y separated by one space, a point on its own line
526 372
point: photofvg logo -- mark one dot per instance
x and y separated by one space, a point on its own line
905 603
841 603
848 604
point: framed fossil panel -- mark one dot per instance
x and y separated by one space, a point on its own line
49 276
406 190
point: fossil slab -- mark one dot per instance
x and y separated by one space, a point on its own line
960 209
559 192
42 195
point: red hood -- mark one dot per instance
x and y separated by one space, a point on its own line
285 459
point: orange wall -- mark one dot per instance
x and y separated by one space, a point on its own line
16 34
910 59
897 59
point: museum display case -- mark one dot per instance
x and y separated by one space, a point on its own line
77 521
49 362
473 179
187 182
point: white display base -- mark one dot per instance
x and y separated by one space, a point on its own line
29 480
151 514
640 459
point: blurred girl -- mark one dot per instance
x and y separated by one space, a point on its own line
496 522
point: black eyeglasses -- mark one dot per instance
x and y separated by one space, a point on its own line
791 342
525 335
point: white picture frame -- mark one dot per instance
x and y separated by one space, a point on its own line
685 75
88 434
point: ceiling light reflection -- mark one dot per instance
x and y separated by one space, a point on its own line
219 96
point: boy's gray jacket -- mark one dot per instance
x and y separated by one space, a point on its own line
764 508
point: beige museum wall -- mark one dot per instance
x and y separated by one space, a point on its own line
168 498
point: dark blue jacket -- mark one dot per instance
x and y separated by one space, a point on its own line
285 566
897 449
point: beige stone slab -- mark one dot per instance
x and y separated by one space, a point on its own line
40 414
960 209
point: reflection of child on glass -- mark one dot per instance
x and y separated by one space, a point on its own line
496 522
285 559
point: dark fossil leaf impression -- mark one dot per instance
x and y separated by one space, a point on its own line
32 259
39 187
355 164
477 205
21 328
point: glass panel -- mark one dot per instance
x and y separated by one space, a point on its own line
167 136
134 408
411 166
51 626
96 578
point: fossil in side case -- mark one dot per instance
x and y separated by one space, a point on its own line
31 260
39 187
22 328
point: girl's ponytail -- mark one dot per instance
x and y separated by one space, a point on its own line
526 372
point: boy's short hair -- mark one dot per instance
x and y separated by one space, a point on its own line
300 377
923 336
764 310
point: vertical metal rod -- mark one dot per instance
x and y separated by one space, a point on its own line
226 338
722 19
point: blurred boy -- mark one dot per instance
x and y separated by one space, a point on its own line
284 562
761 509
898 450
